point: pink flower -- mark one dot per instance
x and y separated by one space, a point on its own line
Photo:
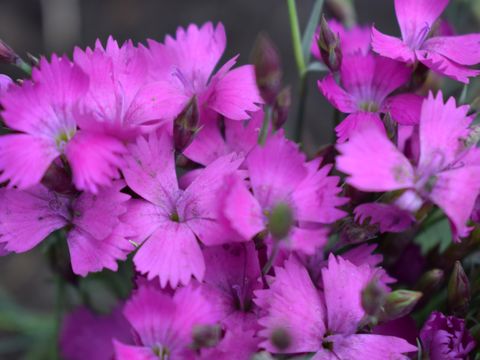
367 81
451 56
165 322
281 179
121 100
236 344
96 237
389 218
170 219
323 322
42 112
447 173
85 335
353 40
232 274
185 66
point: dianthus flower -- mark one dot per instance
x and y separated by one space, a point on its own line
447 172
170 219
324 322
367 82
451 56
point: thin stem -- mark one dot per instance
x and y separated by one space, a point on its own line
296 37
301 108
265 125
59 309
271 259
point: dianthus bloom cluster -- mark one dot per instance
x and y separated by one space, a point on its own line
163 157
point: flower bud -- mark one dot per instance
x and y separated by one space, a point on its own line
206 336
186 125
329 46
281 108
430 282
280 221
400 303
458 292
268 69
373 298
7 55
281 339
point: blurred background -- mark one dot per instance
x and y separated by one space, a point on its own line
41 27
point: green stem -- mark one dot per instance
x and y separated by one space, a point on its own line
272 258
301 108
265 125
296 37
24 66
59 309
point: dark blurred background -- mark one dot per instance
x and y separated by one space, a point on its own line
45 26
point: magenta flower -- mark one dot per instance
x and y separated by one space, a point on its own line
85 335
323 322
5 82
446 337
388 217
164 323
367 81
280 178
353 40
447 173
96 236
232 274
451 56
121 101
185 66
42 111
171 219
236 344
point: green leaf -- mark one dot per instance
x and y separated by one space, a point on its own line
438 234
316 67
310 29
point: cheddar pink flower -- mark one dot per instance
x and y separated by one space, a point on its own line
42 111
170 219
366 83
447 173
164 323
323 322
185 66
96 236
451 56
280 177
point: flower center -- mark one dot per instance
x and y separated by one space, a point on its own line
63 138
161 352
369 106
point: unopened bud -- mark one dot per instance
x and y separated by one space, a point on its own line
430 282
458 292
206 336
329 46
474 137
268 69
281 108
400 303
281 339
186 125
373 298
7 55
280 221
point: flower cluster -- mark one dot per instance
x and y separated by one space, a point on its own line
242 245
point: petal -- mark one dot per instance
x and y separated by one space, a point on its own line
242 136
463 50
443 126
391 47
235 93
173 254
24 159
455 192
343 283
371 347
275 169
294 304
95 159
208 145
28 217
242 209
307 241
150 168
129 352
373 163
357 121
338 97
404 108
444 66
417 17
389 218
